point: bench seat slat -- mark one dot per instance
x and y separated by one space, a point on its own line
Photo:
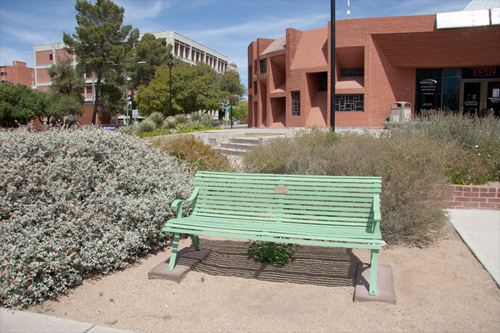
339 233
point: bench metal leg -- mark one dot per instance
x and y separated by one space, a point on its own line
173 256
373 272
196 242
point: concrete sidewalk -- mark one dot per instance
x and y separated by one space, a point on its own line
480 230
12 321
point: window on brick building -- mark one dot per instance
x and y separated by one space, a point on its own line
263 66
323 81
50 56
352 72
250 77
349 103
255 88
295 103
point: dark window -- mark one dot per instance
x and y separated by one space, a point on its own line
349 103
250 77
3 73
451 90
295 103
263 66
50 56
255 88
429 82
323 81
352 72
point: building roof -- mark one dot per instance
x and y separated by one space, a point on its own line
277 45
482 4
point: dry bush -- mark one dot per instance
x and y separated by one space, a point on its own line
413 173
199 155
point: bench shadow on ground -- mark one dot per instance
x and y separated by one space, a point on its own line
313 265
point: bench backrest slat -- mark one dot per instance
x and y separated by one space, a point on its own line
311 199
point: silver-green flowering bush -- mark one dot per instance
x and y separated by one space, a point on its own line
75 204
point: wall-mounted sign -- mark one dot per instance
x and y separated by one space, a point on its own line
472 18
428 86
481 72
485 71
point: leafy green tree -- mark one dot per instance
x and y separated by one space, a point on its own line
193 88
149 54
64 96
19 104
240 111
100 44
230 86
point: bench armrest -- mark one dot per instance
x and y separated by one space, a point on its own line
376 211
177 204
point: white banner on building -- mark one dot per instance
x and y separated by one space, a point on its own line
473 18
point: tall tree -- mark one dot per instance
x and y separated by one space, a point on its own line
64 96
19 104
149 54
193 88
231 87
100 44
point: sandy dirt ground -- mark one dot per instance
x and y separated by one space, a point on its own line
441 288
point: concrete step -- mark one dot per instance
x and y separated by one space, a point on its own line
236 145
230 151
249 141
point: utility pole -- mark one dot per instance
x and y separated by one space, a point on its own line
332 67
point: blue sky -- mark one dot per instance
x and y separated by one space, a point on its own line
226 26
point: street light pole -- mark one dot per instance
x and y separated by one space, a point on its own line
170 64
332 66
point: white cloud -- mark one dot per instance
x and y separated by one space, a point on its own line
8 55
28 36
137 11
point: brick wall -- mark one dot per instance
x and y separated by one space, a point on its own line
475 197
390 49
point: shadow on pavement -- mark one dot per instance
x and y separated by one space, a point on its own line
313 265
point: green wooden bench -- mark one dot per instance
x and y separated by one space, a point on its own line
310 210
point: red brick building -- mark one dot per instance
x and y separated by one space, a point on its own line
17 73
432 61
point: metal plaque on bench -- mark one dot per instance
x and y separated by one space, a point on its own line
281 189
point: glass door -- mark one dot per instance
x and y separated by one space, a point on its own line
493 98
472 98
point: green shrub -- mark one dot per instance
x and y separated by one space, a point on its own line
181 119
169 123
157 118
479 136
156 132
145 126
198 127
195 117
202 157
78 203
413 173
207 120
129 130
274 253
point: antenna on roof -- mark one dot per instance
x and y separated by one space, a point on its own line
348 10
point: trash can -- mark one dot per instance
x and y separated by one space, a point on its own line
400 111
